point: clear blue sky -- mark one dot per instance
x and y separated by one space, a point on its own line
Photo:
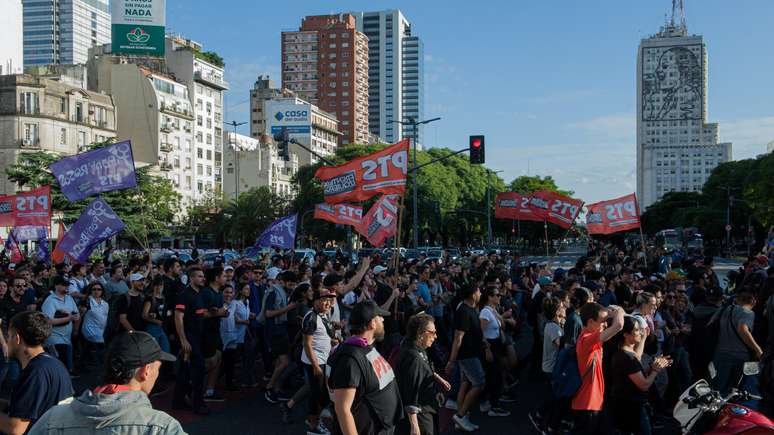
550 83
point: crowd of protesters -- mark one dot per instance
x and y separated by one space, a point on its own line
380 346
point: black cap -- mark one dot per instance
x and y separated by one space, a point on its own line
332 279
60 280
135 349
364 312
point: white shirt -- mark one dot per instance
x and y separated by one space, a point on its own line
492 330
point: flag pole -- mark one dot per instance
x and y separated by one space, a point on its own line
545 230
644 249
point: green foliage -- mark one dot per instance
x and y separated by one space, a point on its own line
211 57
243 220
528 184
148 211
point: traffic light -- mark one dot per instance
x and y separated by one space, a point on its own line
282 139
476 147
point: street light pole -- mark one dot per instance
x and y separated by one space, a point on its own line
414 123
488 204
236 157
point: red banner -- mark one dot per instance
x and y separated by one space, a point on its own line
555 208
7 210
33 207
359 179
381 221
613 216
512 205
344 214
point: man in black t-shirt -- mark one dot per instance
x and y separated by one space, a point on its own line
212 344
130 306
468 348
189 325
44 380
365 393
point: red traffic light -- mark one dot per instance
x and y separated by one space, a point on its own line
475 143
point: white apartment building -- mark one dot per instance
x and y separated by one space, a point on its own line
305 123
47 114
155 112
676 147
206 86
62 31
395 74
251 162
12 35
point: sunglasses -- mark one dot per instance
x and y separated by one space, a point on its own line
433 332
97 288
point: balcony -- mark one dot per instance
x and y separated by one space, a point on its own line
177 109
211 80
165 166
30 144
166 128
165 147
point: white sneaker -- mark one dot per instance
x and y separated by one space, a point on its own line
467 418
485 406
326 413
463 424
450 404
498 412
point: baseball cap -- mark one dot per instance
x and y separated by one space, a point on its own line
544 280
136 277
379 269
272 273
323 293
364 312
229 267
135 349
332 279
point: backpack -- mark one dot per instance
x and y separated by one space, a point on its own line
112 325
566 378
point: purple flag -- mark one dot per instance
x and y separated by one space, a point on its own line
44 254
93 172
97 223
28 232
281 233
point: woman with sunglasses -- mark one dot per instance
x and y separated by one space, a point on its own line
492 325
94 312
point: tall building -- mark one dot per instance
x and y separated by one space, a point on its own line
202 72
326 63
676 147
62 31
12 35
252 162
263 90
155 112
305 123
395 74
40 113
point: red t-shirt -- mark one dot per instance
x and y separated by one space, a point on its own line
592 391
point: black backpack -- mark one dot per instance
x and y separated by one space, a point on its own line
112 326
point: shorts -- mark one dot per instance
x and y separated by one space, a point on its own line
211 345
472 371
279 344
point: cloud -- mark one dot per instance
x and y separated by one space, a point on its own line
616 126
749 136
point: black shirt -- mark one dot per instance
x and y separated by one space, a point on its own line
624 364
41 385
213 300
383 293
377 406
415 378
190 302
9 307
132 307
466 319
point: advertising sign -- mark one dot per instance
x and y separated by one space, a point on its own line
364 177
555 208
33 207
138 27
296 118
343 214
613 216
512 205
93 172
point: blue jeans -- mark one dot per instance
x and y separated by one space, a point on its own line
157 332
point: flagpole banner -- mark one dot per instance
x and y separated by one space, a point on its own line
138 27
7 210
381 221
512 205
281 233
33 207
27 233
344 214
362 178
13 247
613 216
97 223
97 171
555 208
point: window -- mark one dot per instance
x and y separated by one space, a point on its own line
79 112
63 136
199 120
199 186
187 163
82 140
209 138
209 154
30 103
31 134
209 171
62 105
199 153
199 169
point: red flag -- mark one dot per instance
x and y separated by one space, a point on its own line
7 210
362 178
13 246
555 208
33 207
58 256
381 221
512 205
344 214
614 215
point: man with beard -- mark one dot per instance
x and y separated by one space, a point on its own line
363 384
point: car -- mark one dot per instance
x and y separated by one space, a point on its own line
454 253
304 255
209 258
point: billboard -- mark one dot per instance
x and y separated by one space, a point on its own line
296 118
138 27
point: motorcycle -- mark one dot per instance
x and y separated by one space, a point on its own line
702 410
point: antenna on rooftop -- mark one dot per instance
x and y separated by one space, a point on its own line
678 14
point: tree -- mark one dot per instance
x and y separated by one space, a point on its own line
527 184
147 210
244 218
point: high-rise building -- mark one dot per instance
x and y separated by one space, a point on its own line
263 90
12 35
315 129
47 113
395 74
326 63
62 31
203 73
676 147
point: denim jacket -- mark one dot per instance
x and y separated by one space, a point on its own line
125 412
